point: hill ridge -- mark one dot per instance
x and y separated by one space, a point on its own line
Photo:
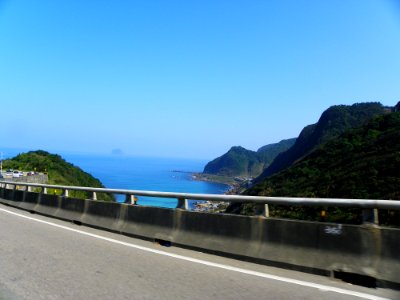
332 122
239 161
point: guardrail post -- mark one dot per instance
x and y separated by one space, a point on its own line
182 203
29 188
370 216
94 196
131 199
25 190
42 192
266 211
13 191
262 210
65 193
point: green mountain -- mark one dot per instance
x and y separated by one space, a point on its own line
239 161
59 171
333 122
362 163
269 152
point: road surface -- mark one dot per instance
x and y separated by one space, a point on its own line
45 258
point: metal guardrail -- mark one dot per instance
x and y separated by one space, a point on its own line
183 197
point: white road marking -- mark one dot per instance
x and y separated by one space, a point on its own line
207 263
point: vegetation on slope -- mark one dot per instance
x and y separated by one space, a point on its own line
333 122
239 161
269 152
59 171
362 163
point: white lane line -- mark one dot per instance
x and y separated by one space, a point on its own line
207 263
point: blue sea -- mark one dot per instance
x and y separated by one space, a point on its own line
141 173
145 173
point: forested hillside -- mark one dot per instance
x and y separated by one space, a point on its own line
239 161
362 163
333 122
59 171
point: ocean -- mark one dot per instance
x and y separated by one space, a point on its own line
145 173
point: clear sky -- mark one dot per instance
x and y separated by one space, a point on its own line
187 78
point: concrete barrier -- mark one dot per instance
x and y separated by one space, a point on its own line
149 222
48 205
106 215
27 201
71 209
8 197
321 248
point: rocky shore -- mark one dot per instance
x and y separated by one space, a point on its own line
236 186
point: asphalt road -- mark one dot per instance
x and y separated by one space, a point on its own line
44 258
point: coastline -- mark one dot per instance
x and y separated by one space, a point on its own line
229 181
236 185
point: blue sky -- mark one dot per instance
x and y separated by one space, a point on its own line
187 78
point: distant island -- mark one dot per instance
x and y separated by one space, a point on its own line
117 152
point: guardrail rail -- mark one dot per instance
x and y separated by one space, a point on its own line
369 205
